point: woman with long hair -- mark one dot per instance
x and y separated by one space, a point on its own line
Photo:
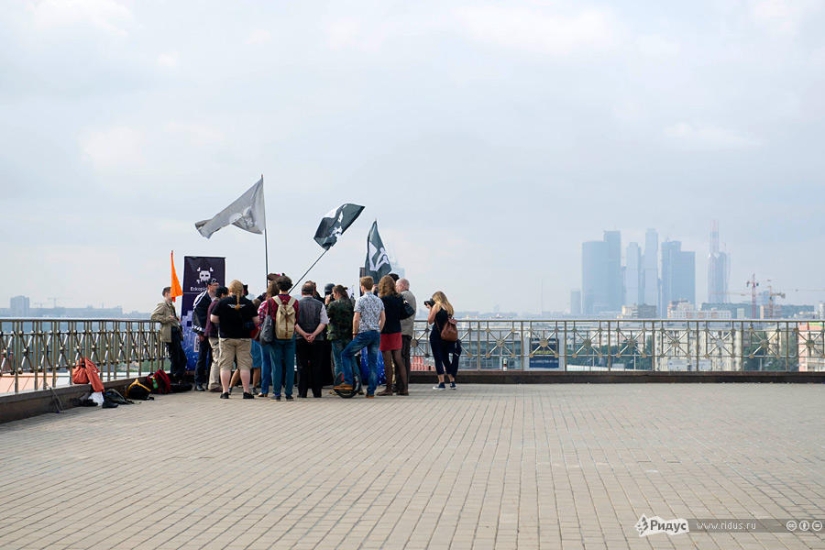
440 311
390 345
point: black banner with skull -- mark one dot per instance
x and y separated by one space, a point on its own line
197 272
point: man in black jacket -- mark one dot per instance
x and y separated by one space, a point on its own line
200 308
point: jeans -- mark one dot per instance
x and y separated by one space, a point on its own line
281 360
337 348
369 339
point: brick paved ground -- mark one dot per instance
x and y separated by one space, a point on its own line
554 466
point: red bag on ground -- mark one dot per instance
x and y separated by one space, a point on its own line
86 372
163 381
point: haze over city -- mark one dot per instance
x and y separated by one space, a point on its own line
489 141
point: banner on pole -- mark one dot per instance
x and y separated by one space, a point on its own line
197 271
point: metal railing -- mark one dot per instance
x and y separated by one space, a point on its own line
42 351
631 345
39 353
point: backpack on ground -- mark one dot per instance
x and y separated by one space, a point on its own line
285 319
140 389
267 334
164 383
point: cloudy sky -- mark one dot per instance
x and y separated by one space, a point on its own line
489 140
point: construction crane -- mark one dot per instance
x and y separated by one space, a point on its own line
773 309
753 284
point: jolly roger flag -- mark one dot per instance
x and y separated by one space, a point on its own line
335 223
378 263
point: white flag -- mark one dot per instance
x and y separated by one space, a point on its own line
247 212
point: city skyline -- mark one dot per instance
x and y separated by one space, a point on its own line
488 141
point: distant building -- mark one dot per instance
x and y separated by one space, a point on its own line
594 277
678 275
633 276
19 306
638 312
718 269
575 302
809 348
615 284
686 310
650 269
602 281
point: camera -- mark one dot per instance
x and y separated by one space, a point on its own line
429 303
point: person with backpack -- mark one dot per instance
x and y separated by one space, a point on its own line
233 316
278 338
441 311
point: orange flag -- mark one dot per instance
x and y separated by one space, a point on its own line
176 289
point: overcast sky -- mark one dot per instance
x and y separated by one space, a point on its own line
489 140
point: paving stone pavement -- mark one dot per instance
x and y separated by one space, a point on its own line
528 467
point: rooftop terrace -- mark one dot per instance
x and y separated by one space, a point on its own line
488 466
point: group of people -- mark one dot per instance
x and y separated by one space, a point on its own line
228 326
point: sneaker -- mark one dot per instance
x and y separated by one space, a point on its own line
214 388
276 397
290 398
453 386
370 396
440 387
199 387
248 395
225 395
262 394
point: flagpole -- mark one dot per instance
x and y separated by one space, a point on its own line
301 278
266 243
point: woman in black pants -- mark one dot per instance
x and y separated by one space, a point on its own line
441 310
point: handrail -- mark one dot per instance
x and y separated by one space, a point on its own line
42 350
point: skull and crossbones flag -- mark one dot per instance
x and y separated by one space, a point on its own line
246 212
335 223
378 262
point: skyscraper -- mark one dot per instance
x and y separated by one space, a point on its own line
633 276
678 275
615 284
602 284
594 277
718 269
575 302
650 269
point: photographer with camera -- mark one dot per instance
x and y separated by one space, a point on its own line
440 311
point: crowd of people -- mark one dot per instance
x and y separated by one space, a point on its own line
258 341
